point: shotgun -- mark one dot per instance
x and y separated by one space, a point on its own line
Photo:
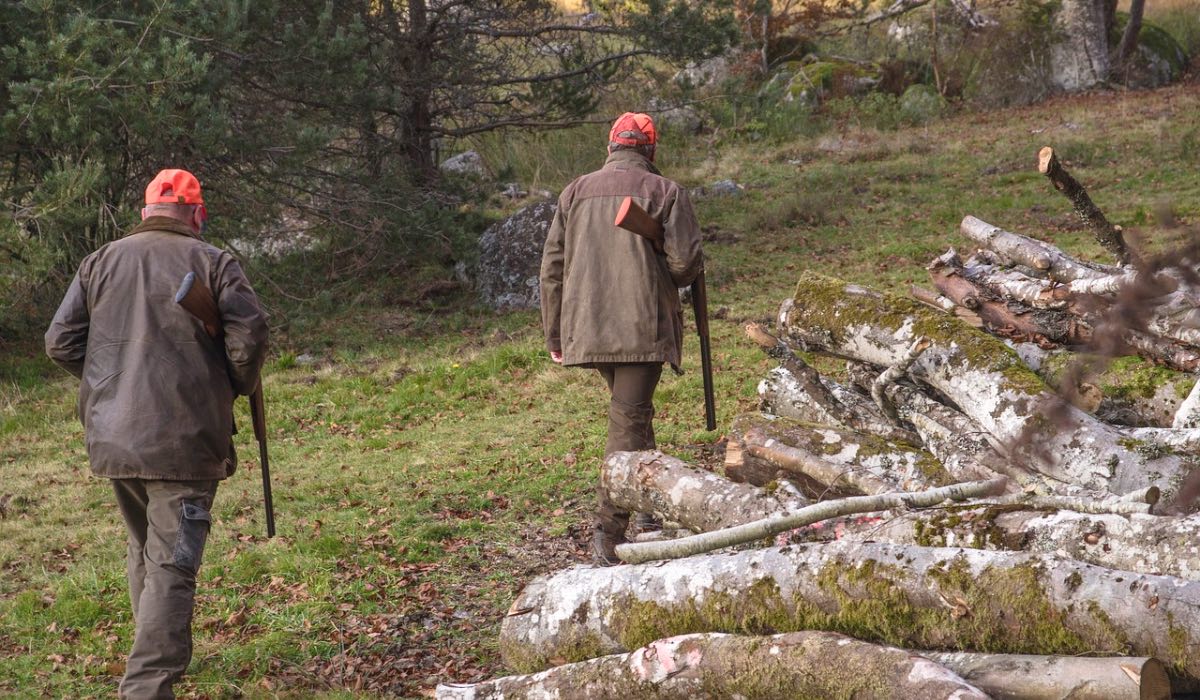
195 298
634 219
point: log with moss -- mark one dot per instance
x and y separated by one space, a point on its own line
912 597
984 378
1129 390
714 665
652 482
1150 544
826 461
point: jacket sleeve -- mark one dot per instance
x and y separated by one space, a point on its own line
245 325
681 239
551 278
66 339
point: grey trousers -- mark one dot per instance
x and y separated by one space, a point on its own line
168 523
630 427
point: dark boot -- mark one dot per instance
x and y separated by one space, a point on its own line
604 548
645 522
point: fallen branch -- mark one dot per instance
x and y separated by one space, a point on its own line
1107 235
635 553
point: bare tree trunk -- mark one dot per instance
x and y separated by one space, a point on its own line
713 665
1079 56
984 378
914 597
1024 677
1129 38
652 482
638 552
1107 235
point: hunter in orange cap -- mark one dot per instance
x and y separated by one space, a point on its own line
176 194
610 299
156 402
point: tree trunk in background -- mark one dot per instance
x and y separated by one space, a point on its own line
713 665
1079 59
914 597
1129 38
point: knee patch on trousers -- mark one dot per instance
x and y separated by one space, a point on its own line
194 522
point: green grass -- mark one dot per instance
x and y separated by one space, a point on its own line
432 460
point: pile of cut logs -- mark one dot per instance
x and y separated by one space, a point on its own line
993 499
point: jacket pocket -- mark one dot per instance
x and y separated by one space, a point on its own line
194 522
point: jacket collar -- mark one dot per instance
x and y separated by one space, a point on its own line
625 159
164 223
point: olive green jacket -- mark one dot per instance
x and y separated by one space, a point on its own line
606 295
156 392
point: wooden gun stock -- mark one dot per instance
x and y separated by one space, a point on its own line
196 298
634 219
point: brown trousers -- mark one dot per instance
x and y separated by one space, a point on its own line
168 523
630 427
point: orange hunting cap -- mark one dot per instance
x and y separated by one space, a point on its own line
633 129
174 187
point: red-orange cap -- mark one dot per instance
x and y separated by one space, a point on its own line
633 129
174 187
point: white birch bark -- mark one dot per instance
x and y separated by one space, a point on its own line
714 665
1027 677
914 597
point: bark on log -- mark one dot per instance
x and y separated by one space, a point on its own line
714 665
984 378
1149 544
1107 235
827 461
913 597
782 394
652 482
1031 253
1025 677
935 300
1002 315
638 552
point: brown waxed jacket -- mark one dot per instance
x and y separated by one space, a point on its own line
156 392
607 296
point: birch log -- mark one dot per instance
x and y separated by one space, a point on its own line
714 665
984 378
1149 544
1034 254
827 461
652 482
781 393
1025 677
913 597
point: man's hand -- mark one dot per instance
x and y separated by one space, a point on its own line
556 355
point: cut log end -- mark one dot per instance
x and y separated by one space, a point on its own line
1046 160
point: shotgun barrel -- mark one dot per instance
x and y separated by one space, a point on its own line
195 298
634 219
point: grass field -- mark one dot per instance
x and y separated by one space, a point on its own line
430 461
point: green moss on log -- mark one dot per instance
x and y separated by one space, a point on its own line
1136 377
825 306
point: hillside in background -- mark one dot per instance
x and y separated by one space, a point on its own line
429 459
